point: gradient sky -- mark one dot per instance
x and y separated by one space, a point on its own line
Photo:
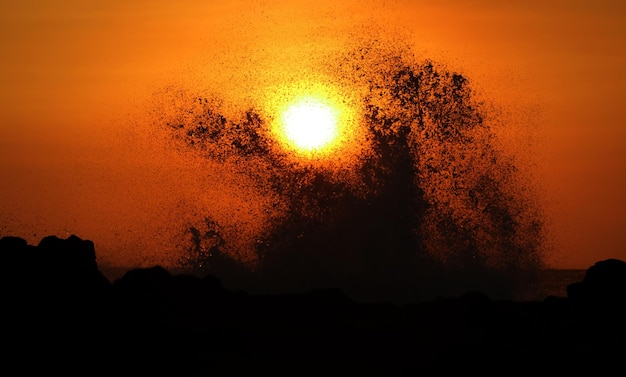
78 155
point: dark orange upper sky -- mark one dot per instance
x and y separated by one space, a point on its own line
78 155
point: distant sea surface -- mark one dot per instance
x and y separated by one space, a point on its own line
552 282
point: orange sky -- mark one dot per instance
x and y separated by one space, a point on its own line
77 155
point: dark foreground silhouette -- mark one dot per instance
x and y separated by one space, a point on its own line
62 315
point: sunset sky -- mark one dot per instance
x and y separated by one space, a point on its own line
80 154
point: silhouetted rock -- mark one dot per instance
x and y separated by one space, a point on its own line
598 305
72 251
54 302
54 269
59 313
602 292
605 282
143 280
16 256
14 246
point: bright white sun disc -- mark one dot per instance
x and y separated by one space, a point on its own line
310 124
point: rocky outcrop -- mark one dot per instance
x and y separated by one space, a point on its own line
62 315
604 283
59 268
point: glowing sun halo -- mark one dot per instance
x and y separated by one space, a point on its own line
310 124
316 123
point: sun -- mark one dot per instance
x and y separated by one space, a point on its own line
310 124
315 123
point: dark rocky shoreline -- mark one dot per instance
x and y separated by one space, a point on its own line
62 315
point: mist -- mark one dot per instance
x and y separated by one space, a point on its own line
423 193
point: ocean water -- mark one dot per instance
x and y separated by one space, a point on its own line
551 282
